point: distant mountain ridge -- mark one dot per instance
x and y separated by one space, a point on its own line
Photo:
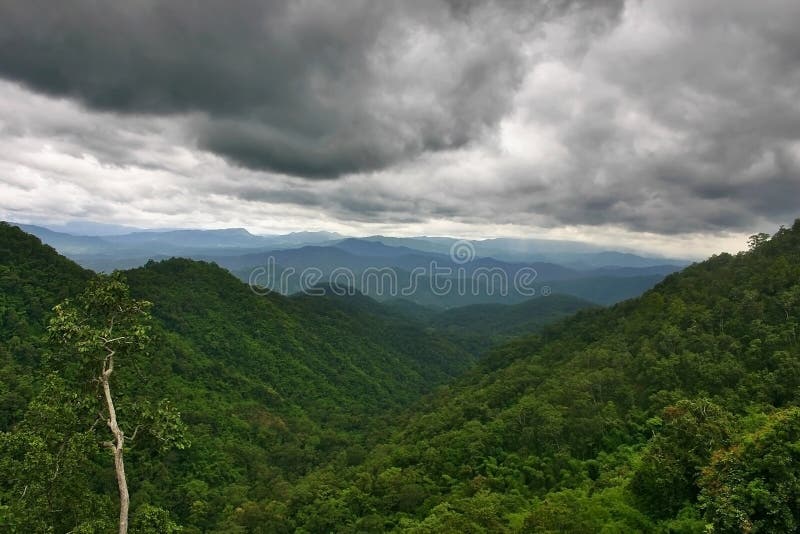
574 254
571 253
480 281
603 277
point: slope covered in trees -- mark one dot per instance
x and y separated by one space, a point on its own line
269 387
33 279
331 356
481 326
676 411
673 412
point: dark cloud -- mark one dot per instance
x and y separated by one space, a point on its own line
683 119
315 89
670 118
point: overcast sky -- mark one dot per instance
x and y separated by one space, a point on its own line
668 126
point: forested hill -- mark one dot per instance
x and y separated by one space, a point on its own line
269 387
33 279
327 356
671 412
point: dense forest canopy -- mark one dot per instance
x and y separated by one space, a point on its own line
671 412
268 385
674 412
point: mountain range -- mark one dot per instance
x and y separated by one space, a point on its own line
420 265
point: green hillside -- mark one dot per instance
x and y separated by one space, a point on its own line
481 326
33 279
325 354
671 412
269 386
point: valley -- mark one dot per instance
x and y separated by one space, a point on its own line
341 413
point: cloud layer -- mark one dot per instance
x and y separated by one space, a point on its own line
312 88
677 118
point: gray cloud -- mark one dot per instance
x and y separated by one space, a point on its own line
676 119
685 118
315 89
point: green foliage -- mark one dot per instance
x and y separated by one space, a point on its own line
153 520
101 319
481 326
102 323
673 412
754 486
756 240
603 422
333 356
665 479
33 279
607 510
57 444
268 387
49 469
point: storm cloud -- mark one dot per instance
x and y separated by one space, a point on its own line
677 119
311 88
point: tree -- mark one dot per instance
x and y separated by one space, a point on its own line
153 520
666 477
101 329
754 486
756 240
49 467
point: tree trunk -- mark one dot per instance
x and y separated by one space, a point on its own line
116 447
